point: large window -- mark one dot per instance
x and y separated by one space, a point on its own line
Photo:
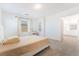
23 26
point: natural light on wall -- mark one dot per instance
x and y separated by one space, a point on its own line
37 6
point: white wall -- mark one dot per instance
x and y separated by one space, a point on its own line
52 27
1 27
53 30
9 24
53 23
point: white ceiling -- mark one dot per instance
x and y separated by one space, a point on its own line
28 8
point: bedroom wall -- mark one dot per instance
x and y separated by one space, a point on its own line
9 24
1 27
53 23
53 27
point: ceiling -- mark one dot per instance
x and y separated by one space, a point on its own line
28 8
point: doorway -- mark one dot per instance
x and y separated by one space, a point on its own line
70 37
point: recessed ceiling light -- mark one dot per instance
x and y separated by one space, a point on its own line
37 6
